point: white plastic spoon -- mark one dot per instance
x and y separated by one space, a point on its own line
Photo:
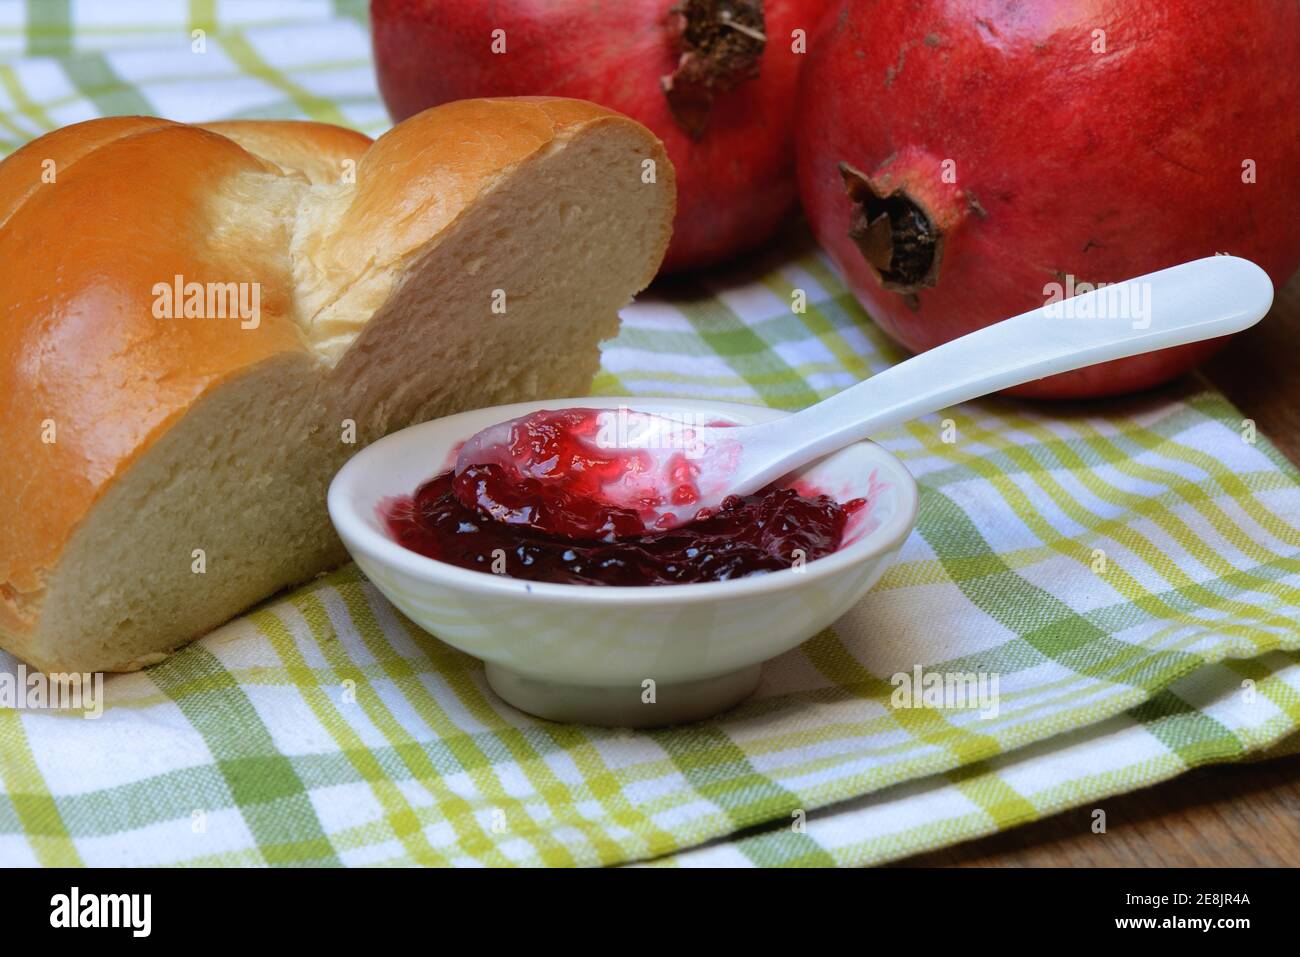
1197 300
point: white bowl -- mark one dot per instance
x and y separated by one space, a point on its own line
620 656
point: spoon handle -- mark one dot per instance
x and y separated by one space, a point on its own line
1196 300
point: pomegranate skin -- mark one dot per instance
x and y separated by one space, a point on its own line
735 183
1066 162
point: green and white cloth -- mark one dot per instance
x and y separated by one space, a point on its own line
1129 570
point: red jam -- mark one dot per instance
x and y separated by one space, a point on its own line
774 529
553 473
556 508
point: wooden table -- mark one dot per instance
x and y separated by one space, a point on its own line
1239 815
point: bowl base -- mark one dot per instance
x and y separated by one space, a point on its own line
623 706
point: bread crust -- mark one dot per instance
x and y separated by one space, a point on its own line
316 150
136 201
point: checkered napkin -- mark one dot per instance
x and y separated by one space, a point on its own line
1128 572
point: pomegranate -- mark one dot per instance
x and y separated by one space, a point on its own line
967 160
714 79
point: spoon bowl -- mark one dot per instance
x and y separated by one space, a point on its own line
585 653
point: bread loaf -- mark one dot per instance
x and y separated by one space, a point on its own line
202 323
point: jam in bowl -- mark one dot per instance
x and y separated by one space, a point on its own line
613 651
